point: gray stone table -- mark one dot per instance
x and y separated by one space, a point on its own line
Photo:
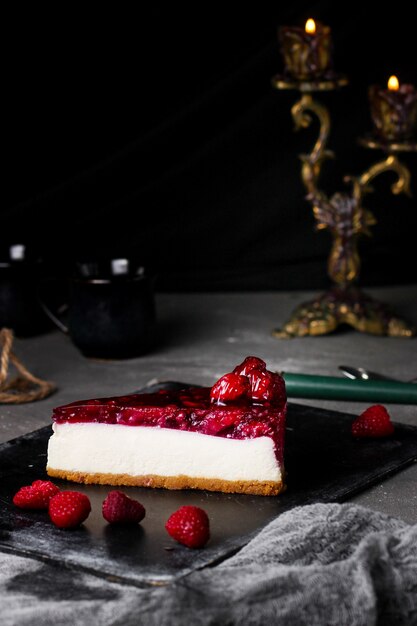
201 336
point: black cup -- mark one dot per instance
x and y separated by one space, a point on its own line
20 308
111 315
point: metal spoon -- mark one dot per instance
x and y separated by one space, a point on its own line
364 374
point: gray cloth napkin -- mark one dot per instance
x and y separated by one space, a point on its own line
322 564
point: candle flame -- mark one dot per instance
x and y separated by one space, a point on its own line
310 26
393 83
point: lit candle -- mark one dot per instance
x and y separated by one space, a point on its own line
306 51
310 26
393 83
394 110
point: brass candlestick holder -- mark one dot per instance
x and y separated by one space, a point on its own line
301 113
346 218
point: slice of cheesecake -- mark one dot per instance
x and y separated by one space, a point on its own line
228 438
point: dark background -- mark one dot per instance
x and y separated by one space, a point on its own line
156 134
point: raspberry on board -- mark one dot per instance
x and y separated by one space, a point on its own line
375 421
118 508
36 495
69 509
189 526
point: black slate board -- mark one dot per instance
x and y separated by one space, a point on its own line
324 464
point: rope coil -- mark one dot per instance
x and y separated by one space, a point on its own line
23 388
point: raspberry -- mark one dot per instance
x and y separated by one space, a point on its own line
189 526
249 364
36 495
218 421
255 428
266 386
69 509
374 422
118 508
229 387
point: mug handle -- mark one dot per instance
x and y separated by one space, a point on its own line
54 317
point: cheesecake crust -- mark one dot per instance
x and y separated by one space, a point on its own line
258 488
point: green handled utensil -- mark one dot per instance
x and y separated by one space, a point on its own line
334 388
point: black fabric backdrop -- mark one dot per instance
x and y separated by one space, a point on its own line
155 133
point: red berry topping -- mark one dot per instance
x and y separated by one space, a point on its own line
189 526
229 387
255 428
118 508
69 509
266 386
374 422
249 364
36 495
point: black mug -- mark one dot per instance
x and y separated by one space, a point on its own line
20 308
111 315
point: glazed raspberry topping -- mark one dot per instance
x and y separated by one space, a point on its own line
238 406
230 387
249 364
266 386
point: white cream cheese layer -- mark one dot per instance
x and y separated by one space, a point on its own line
143 450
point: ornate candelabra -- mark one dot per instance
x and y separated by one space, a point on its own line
343 213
